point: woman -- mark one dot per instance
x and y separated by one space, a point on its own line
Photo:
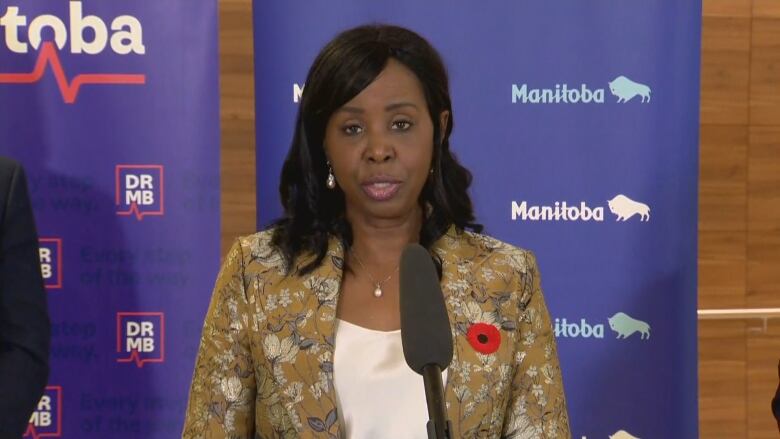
301 337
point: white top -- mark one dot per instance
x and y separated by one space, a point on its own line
378 395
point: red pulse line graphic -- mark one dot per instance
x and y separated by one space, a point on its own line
48 55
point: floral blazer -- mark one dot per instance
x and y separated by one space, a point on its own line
265 364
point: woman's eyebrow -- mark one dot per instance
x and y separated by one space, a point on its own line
390 107
398 105
351 110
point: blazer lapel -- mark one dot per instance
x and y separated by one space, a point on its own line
472 392
306 331
446 248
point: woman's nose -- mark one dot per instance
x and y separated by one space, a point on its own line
380 149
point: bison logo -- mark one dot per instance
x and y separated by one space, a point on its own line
625 208
622 434
626 325
625 89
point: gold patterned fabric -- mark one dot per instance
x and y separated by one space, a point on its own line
265 364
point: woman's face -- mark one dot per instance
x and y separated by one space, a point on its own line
380 145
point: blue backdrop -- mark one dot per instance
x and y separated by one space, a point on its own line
579 121
113 108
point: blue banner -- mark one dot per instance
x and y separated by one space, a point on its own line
579 121
112 107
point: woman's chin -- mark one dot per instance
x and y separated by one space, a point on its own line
390 210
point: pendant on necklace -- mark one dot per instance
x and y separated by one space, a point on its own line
378 291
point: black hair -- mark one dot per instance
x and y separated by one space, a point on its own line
345 66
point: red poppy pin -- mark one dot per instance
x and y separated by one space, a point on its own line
484 338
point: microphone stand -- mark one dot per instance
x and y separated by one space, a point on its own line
439 427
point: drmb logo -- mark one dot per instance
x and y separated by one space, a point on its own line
50 254
621 323
140 337
623 88
139 190
46 420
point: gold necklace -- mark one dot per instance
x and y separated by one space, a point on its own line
377 285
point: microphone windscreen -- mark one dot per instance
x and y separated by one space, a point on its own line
425 326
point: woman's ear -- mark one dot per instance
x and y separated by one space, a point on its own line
444 118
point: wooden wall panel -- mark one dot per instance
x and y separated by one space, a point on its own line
723 153
722 222
722 380
739 226
764 216
739 222
765 8
727 8
237 116
765 72
763 349
764 212
725 70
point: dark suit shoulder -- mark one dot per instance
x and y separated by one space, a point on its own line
8 169
8 163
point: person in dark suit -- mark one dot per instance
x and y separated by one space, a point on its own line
24 319
776 400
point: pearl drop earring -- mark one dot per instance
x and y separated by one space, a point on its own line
330 182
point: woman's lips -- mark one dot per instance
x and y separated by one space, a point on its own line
381 190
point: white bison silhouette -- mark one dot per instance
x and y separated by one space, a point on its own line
625 326
622 434
625 208
625 89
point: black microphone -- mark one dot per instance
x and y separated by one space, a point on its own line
425 332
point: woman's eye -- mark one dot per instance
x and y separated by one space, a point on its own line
402 125
352 130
